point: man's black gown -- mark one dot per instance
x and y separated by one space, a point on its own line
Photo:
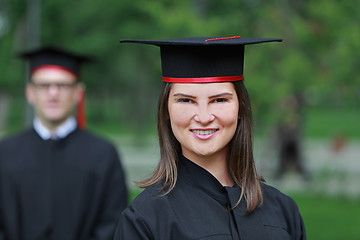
70 189
199 207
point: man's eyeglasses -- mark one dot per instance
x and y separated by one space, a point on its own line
60 86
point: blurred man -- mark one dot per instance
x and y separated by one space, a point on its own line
58 181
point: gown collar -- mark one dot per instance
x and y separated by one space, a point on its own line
193 174
60 132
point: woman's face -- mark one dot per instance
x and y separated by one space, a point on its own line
203 117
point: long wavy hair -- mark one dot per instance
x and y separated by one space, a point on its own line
240 151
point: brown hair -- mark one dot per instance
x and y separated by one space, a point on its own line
240 156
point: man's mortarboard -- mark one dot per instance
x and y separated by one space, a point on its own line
201 59
56 58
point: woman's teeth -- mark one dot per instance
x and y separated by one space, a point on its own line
204 132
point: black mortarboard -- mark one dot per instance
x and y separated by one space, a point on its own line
203 59
52 56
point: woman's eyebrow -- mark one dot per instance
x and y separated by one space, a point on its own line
183 95
225 94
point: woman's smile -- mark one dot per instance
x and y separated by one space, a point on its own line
204 134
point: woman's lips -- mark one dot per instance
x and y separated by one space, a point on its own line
203 134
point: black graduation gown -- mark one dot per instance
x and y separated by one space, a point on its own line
199 207
70 189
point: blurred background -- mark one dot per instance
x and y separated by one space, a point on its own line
305 91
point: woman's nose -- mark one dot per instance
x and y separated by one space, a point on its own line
204 116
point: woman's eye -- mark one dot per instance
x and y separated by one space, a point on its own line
185 100
220 100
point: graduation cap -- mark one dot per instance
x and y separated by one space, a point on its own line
50 57
202 59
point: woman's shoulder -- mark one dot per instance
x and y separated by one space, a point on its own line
276 201
150 193
141 217
150 199
272 193
280 210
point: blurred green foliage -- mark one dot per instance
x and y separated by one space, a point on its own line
318 58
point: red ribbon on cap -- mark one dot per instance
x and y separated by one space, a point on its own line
81 120
223 38
55 67
203 79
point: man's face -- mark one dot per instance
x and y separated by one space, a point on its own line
54 94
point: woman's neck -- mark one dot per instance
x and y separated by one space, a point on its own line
216 165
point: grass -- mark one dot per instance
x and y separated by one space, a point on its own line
327 123
328 217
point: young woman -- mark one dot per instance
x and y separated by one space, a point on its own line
206 185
